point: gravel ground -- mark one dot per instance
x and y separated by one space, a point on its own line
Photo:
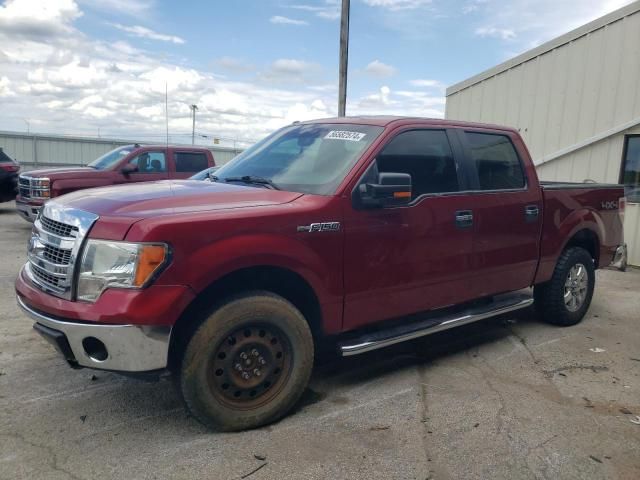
507 398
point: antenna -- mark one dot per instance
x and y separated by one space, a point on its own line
166 108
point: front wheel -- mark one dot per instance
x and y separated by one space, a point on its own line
248 363
565 299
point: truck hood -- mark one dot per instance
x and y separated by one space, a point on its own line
150 199
66 172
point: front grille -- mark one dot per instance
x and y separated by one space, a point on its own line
24 186
54 247
46 278
59 256
58 228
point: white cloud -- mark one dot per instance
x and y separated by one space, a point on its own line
134 8
5 89
37 19
234 64
385 101
290 71
280 20
330 10
144 32
398 4
68 82
425 83
379 69
503 33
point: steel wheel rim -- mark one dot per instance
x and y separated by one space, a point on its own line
250 366
575 287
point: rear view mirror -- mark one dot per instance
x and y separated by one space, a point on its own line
391 189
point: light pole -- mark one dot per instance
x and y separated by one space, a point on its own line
28 125
193 108
344 58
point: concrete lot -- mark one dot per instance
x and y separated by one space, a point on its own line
509 398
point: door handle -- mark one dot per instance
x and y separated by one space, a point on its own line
464 218
531 213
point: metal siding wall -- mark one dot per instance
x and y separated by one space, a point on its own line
72 151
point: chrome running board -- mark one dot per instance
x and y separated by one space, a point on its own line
401 333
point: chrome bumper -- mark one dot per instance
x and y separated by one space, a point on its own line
130 348
620 257
27 212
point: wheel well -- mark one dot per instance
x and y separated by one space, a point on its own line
588 240
280 281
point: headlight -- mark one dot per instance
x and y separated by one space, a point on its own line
40 188
106 264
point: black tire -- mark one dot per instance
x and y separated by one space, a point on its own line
550 296
268 383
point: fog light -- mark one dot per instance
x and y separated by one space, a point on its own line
95 349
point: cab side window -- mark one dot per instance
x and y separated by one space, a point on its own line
496 161
425 155
150 162
190 161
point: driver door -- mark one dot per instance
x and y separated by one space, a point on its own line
152 165
408 259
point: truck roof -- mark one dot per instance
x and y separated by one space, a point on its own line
391 120
164 145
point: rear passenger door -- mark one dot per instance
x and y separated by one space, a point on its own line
186 164
402 260
506 214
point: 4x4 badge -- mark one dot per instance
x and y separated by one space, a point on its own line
320 227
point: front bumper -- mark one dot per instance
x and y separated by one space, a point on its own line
127 348
27 211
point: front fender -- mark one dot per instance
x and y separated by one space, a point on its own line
216 260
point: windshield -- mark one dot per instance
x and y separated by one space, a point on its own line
308 158
110 159
204 174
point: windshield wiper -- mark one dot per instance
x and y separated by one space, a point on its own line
252 179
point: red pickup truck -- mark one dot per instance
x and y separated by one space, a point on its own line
127 164
367 231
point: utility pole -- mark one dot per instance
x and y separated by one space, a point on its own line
193 108
344 58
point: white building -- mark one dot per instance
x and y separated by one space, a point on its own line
576 102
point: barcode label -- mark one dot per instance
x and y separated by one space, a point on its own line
345 135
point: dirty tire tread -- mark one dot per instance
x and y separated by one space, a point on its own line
548 297
201 404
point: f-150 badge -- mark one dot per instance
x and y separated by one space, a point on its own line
320 227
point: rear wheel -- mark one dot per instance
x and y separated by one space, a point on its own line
248 363
565 299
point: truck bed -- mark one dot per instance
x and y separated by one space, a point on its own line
571 207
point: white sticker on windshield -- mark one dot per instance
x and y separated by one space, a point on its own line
345 135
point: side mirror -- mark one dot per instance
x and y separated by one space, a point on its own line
391 190
129 168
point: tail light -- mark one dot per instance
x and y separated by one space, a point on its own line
9 167
622 205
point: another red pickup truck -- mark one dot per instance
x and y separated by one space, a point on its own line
370 231
127 164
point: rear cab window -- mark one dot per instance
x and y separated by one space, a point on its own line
191 162
495 160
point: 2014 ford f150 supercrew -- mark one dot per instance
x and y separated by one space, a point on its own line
370 231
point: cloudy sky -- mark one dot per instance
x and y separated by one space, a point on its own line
99 67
